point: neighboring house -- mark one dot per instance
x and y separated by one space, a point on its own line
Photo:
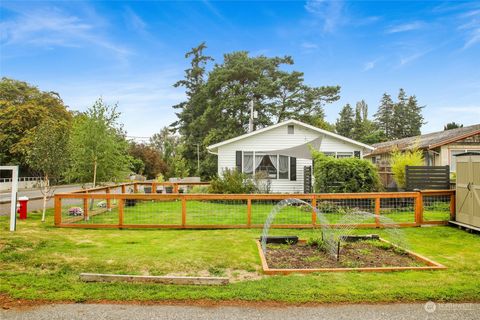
282 152
439 148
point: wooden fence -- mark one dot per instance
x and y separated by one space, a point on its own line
117 208
427 177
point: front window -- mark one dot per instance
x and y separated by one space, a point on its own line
266 163
273 166
341 155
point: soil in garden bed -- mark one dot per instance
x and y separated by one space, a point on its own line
360 254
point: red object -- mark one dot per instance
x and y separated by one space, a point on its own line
22 209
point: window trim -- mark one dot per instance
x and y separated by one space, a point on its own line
291 126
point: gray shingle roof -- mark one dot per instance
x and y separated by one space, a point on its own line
426 141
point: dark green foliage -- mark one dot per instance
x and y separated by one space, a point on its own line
344 175
452 125
344 124
399 119
232 181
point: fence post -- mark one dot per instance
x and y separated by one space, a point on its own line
377 212
452 207
58 210
314 213
124 189
109 201
249 213
154 187
419 208
85 207
135 187
175 187
184 211
121 202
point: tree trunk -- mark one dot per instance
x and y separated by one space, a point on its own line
94 179
46 186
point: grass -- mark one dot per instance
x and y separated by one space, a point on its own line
40 261
235 213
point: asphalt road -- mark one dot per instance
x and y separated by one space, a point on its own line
32 193
418 311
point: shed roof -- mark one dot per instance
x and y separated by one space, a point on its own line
427 141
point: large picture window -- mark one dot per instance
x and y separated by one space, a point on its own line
274 166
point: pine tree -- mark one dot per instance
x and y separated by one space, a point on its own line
361 119
344 124
384 116
414 117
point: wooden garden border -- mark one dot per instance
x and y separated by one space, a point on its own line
248 198
430 264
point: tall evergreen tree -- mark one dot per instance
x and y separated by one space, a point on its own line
384 116
345 122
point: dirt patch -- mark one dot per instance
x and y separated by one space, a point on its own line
361 254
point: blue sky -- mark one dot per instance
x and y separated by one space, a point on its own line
132 52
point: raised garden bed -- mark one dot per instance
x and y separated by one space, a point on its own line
356 254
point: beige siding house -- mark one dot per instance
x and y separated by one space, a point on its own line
281 151
439 148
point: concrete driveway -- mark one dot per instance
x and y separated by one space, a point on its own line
419 311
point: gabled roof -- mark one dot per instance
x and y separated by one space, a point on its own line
213 147
427 141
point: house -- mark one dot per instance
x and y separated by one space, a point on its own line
282 152
439 148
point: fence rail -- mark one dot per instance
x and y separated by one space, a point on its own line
133 205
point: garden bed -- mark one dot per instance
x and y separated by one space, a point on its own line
365 255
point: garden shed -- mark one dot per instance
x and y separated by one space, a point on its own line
468 189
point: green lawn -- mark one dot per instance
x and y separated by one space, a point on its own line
40 261
235 213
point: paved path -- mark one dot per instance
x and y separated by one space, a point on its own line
342 312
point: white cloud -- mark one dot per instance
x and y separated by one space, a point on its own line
134 20
405 27
471 27
309 45
330 13
369 65
54 27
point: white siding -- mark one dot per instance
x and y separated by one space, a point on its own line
278 138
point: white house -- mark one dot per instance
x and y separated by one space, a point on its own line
282 151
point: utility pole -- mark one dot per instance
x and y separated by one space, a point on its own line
253 115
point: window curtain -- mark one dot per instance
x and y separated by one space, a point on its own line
273 159
258 160
248 162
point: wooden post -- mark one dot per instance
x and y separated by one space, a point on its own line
154 187
124 189
314 213
135 187
452 207
249 212
109 201
58 211
419 208
377 212
121 202
175 187
184 212
85 208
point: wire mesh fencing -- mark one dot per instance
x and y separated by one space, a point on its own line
135 206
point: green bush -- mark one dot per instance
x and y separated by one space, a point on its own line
232 181
199 189
399 160
344 175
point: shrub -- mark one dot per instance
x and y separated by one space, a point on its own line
399 160
344 175
232 181
199 189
